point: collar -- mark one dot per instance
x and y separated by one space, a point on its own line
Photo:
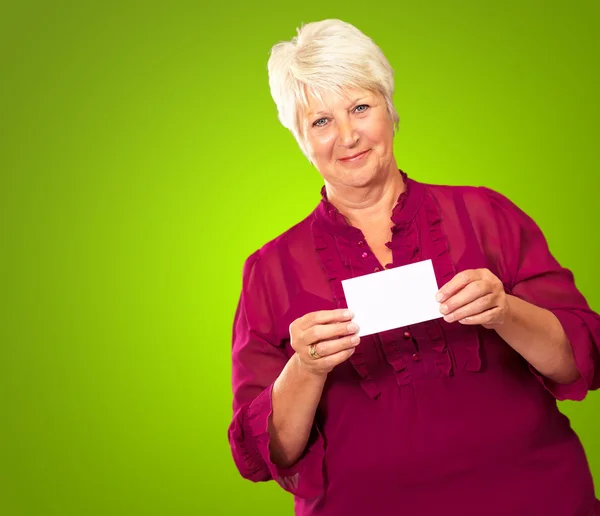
406 207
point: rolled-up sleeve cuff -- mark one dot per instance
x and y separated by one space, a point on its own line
305 478
582 344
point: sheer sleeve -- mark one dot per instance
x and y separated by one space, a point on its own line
257 361
534 275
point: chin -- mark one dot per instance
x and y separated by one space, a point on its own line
359 181
360 177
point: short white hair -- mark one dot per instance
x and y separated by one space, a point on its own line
328 55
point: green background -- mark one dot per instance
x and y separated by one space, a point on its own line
142 161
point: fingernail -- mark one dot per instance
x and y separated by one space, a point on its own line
439 296
355 339
347 313
352 327
449 318
444 308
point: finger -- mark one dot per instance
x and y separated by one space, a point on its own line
457 283
469 293
472 309
324 332
331 347
329 362
324 317
482 318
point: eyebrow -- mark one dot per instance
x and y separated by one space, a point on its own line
316 113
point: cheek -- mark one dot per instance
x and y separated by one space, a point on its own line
322 144
383 135
377 129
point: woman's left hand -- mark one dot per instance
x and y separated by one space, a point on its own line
474 296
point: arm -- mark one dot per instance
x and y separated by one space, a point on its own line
534 305
258 360
537 335
298 389
532 274
273 434
478 297
296 395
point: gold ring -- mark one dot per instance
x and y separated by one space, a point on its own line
312 351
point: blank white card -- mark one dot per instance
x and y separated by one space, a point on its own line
393 298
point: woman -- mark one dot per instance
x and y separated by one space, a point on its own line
451 416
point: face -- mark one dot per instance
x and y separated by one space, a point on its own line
350 138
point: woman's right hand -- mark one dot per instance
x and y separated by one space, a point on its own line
324 339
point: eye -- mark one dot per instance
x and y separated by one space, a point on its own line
320 122
361 108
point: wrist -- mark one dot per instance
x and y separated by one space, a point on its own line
306 372
505 319
509 311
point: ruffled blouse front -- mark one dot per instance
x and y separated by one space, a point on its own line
343 253
428 419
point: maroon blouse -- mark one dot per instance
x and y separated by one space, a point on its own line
431 419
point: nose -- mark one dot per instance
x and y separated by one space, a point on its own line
348 136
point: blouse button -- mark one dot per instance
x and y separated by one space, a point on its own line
407 335
365 254
361 243
416 357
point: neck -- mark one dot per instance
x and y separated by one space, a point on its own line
375 202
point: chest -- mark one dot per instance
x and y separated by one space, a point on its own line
376 240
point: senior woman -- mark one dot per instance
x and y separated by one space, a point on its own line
455 415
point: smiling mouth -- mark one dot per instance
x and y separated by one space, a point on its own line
355 157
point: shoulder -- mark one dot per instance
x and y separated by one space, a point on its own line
488 211
271 253
465 192
477 199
